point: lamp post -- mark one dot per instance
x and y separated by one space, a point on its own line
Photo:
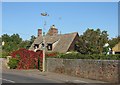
44 45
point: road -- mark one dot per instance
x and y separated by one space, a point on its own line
16 76
23 76
12 78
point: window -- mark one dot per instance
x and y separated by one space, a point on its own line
36 46
49 47
117 52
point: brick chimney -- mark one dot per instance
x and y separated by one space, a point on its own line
52 31
40 32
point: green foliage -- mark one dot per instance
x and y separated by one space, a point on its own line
13 63
29 43
0 55
4 54
92 41
11 42
23 44
93 56
32 39
14 42
114 41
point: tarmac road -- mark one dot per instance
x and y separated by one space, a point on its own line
13 78
35 77
25 76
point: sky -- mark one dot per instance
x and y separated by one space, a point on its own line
25 18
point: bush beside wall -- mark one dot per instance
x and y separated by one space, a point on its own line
25 59
93 56
13 63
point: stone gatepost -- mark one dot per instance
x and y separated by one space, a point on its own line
7 61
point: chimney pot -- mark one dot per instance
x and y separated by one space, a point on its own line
52 31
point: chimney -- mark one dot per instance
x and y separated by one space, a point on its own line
53 30
39 32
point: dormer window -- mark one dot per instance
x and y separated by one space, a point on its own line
36 46
49 47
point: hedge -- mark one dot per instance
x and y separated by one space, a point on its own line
93 56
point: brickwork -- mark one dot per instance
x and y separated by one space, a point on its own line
39 32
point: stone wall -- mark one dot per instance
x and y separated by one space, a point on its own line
104 70
3 63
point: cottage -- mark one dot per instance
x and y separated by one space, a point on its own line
116 49
55 42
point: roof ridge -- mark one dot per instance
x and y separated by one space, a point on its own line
72 33
68 33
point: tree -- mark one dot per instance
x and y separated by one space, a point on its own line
24 44
92 41
16 39
5 38
114 41
15 42
11 42
30 41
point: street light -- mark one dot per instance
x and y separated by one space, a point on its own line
44 45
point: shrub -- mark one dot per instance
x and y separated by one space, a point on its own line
27 59
51 54
13 63
0 55
4 54
92 56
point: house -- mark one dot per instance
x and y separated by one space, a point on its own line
55 42
116 49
